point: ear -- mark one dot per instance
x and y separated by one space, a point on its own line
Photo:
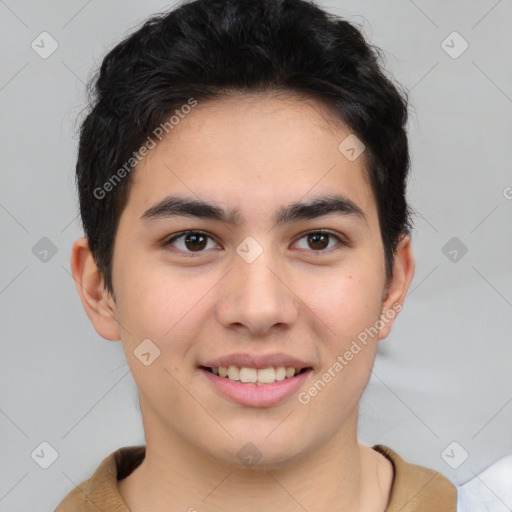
396 289
98 302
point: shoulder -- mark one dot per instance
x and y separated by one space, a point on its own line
416 487
101 489
75 500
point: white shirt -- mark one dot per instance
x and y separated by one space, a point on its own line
489 491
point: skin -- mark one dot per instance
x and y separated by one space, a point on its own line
255 152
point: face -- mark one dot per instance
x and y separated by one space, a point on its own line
273 290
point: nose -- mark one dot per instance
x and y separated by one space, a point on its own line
257 297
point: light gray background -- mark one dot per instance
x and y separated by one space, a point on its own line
443 375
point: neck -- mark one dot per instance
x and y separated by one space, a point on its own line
340 474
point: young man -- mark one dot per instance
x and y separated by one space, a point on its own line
242 181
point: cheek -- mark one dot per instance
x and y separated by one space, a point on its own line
350 306
348 302
154 300
160 308
166 308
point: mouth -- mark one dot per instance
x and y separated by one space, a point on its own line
258 376
256 387
256 379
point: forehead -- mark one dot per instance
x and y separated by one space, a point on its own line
246 150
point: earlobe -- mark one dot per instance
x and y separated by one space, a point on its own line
97 302
403 272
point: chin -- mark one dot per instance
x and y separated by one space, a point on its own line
259 453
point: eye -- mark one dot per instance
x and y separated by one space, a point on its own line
195 241
318 239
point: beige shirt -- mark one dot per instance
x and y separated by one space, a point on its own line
414 489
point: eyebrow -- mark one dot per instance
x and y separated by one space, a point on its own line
319 206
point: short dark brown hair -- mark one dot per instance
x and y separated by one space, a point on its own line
205 49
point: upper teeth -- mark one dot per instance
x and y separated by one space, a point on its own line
262 375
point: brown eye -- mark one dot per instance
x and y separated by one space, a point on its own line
195 241
319 240
190 241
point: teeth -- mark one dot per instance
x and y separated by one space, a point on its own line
233 373
253 375
247 375
266 375
280 373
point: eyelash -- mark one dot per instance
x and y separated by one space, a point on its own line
192 254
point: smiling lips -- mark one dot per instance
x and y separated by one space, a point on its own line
254 375
258 361
256 380
253 368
